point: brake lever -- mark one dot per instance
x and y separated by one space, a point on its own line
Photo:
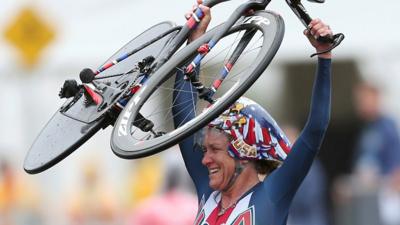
335 40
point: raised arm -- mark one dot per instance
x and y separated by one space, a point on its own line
285 180
184 101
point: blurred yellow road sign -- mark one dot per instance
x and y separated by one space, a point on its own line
29 34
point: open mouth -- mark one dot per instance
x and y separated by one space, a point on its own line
213 171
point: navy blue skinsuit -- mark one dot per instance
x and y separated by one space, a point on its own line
267 202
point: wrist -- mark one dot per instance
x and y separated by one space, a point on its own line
327 55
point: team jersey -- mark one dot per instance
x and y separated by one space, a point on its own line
267 202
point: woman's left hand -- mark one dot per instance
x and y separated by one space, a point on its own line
317 28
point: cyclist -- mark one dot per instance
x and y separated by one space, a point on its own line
244 142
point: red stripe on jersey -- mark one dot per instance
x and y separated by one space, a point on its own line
214 219
200 218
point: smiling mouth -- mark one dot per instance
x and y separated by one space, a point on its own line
213 171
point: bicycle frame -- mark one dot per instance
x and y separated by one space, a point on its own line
106 112
187 60
184 31
206 93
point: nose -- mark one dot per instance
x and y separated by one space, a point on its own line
206 158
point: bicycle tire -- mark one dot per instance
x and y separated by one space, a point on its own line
126 146
75 122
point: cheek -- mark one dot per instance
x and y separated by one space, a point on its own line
229 163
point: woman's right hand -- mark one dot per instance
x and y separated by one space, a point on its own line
202 26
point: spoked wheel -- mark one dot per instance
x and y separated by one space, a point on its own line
245 51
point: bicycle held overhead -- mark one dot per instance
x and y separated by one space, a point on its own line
125 91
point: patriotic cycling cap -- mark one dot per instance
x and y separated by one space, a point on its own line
255 134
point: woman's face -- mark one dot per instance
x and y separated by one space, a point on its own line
220 165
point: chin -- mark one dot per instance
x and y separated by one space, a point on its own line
214 186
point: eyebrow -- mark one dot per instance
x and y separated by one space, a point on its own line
214 145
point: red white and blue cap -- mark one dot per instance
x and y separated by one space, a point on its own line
255 134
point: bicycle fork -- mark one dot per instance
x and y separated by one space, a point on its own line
207 93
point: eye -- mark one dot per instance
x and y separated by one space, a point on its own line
203 149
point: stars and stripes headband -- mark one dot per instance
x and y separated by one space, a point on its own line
255 134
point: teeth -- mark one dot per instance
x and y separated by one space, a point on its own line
212 171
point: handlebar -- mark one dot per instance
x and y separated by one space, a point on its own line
259 3
300 12
211 3
305 19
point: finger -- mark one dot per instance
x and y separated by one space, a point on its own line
325 30
314 29
189 14
199 2
313 22
205 9
317 26
326 34
320 31
307 33
249 12
207 13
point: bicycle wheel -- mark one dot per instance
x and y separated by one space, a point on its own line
155 100
75 122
